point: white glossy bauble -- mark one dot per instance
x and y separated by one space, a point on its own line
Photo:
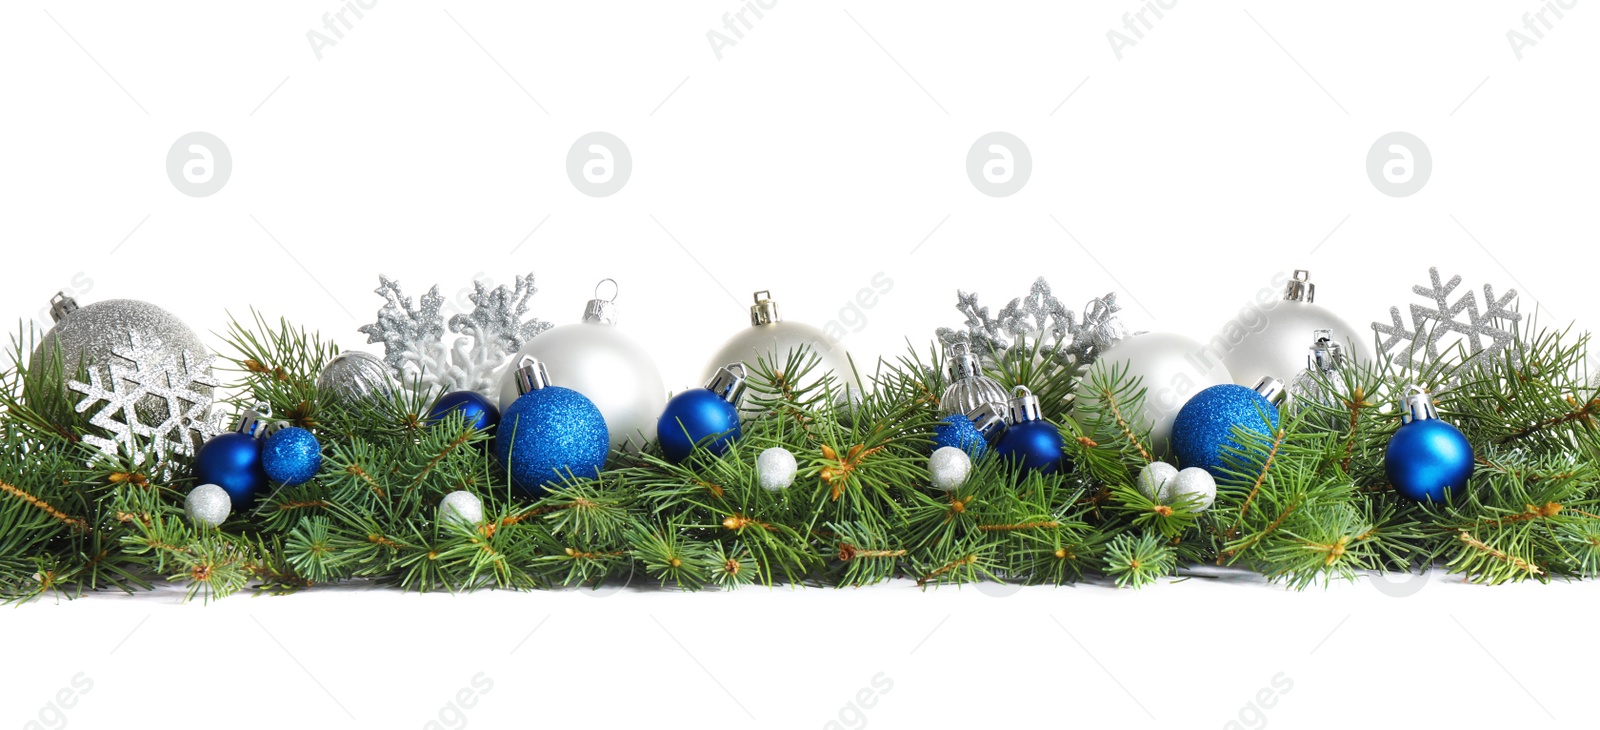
773 343
1279 347
609 368
1171 369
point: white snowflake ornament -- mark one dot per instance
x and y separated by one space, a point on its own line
148 372
1442 325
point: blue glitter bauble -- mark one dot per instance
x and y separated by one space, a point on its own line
1037 445
548 434
957 430
291 456
479 412
232 461
697 416
1428 460
1205 424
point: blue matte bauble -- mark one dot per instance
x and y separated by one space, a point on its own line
232 461
697 416
479 412
1204 426
1428 460
291 456
1037 445
958 431
548 434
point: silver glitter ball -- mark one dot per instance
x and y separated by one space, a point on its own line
948 468
355 376
776 468
1197 482
87 336
208 504
1155 480
462 507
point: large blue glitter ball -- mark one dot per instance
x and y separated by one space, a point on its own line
1037 445
1204 426
232 461
1428 460
479 412
547 435
957 430
697 416
291 456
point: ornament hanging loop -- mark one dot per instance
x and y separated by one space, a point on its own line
602 311
963 364
729 382
1326 355
1272 389
531 375
1024 406
1418 405
1300 288
764 311
255 421
62 305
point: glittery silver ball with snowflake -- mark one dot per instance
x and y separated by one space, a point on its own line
414 340
143 370
1039 316
1485 335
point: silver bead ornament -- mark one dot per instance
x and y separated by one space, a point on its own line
461 507
775 468
948 468
208 504
1197 482
1155 480
355 377
969 388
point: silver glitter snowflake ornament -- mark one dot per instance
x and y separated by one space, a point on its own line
145 371
1035 317
1442 324
413 336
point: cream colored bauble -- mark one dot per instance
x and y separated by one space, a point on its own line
1277 342
1171 369
598 360
773 340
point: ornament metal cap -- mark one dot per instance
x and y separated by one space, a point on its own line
1272 389
602 311
963 364
728 383
764 311
531 375
253 422
1024 406
1300 288
1326 354
62 305
989 421
1418 406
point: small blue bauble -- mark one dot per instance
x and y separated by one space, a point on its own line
694 416
1205 424
958 431
291 456
1428 460
549 433
1036 445
480 413
232 461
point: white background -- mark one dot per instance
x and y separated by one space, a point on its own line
826 147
